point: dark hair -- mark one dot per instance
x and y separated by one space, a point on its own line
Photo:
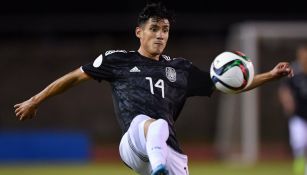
157 11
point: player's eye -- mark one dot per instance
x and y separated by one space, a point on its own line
154 29
165 30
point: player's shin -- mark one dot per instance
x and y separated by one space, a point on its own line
156 146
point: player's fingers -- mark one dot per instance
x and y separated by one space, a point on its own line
285 72
17 105
282 71
21 114
291 74
18 113
17 110
281 65
22 117
19 117
287 66
284 67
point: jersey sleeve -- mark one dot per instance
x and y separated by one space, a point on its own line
199 83
100 69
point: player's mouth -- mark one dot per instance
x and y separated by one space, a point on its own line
158 43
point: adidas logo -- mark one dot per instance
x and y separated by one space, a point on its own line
135 69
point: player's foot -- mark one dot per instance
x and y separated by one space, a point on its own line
160 170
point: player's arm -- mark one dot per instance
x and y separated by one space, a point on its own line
280 70
28 108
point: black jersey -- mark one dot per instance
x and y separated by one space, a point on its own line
298 87
141 85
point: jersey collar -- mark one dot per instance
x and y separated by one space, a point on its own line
160 57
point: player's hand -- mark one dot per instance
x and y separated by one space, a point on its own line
25 110
282 69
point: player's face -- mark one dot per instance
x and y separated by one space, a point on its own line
153 36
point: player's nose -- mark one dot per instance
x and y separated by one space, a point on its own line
160 35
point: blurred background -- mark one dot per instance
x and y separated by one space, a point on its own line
41 41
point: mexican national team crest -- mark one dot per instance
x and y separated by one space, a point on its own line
170 74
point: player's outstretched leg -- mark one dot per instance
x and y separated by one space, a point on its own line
156 146
298 141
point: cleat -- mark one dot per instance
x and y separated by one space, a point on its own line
160 170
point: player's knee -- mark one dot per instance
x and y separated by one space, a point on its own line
163 123
159 127
138 119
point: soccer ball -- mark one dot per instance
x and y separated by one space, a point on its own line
232 72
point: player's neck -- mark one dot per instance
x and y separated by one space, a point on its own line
148 55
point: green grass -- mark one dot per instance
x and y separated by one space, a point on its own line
264 168
199 168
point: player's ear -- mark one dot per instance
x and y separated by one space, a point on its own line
138 31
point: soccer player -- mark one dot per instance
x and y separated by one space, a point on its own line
149 90
293 97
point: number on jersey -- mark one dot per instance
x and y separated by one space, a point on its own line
158 84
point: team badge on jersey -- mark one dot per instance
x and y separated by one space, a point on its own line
170 74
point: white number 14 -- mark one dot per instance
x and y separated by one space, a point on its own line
158 84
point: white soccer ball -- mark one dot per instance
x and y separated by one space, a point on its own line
232 72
